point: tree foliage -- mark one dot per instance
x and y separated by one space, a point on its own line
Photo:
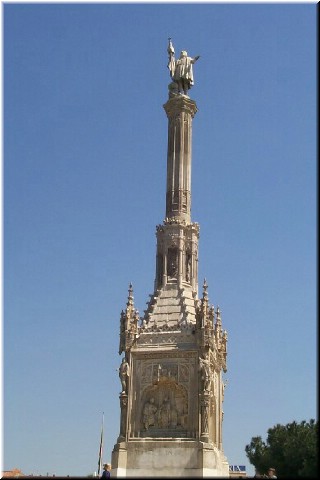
291 449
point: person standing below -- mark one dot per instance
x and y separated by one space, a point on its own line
106 470
271 473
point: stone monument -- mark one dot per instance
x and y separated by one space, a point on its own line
174 356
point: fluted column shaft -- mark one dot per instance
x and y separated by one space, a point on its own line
180 110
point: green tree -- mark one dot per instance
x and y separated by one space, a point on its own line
291 449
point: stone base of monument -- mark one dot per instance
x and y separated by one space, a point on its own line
150 457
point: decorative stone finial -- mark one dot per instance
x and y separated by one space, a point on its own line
130 303
204 300
130 295
205 290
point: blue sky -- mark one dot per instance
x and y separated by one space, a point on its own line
85 142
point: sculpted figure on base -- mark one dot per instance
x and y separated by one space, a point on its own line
181 70
165 414
205 372
149 414
124 372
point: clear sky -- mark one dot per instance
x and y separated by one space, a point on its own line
85 143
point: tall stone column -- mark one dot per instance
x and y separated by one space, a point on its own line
180 110
176 236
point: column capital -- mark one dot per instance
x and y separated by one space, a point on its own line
178 104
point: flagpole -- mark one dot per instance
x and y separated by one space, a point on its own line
101 447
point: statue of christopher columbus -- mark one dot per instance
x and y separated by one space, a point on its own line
181 70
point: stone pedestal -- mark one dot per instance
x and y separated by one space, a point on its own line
168 458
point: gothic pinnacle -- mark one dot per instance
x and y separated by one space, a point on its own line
130 302
204 300
218 325
205 292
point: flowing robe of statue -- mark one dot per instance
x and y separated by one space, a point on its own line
181 70
124 372
149 414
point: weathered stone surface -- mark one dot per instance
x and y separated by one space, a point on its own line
170 458
174 356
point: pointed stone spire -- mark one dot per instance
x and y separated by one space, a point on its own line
205 300
128 322
130 295
130 302
205 287
218 327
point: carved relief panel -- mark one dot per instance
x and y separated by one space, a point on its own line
161 406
